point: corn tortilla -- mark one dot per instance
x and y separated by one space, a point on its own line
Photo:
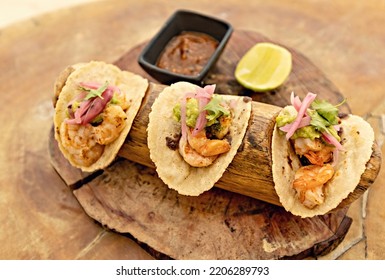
134 86
170 165
357 141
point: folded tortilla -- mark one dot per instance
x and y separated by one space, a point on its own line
67 88
170 165
357 141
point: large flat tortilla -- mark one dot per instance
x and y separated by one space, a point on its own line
134 86
357 141
170 166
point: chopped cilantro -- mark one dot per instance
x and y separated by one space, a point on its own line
324 116
95 92
326 110
214 110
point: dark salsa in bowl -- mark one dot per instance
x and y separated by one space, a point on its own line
185 49
187 53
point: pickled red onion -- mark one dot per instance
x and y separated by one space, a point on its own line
210 89
295 101
183 117
97 105
183 112
301 112
331 140
90 108
305 121
203 95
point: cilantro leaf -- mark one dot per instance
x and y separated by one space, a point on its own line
214 110
328 111
318 121
321 124
95 92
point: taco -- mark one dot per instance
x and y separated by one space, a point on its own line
318 155
95 105
194 134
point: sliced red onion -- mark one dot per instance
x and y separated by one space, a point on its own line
97 106
203 96
295 101
210 89
304 106
183 117
305 121
82 110
90 108
78 98
331 140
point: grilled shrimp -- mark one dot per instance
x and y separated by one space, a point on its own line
192 157
221 129
304 145
314 150
122 100
80 142
111 126
206 147
321 157
309 183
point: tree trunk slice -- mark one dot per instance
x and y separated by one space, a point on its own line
129 198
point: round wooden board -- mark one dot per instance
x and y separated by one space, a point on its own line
130 199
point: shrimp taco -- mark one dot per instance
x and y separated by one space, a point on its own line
96 105
318 155
194 134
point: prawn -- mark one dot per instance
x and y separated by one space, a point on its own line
221 129
304 145
113 123
80 142
320 157
315 150
122 100
192 157
206 147
309 183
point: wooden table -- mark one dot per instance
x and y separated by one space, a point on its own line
40 217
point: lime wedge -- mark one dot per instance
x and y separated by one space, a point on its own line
264 67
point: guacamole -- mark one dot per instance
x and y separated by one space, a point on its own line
318 123
214 110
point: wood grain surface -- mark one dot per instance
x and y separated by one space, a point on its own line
40 216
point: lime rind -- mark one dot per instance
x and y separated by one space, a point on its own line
264 67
